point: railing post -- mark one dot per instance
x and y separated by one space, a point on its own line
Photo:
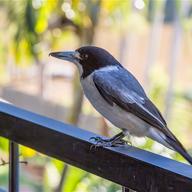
13 167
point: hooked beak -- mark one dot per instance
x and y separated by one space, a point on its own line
72 56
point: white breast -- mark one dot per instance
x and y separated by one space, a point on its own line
114 114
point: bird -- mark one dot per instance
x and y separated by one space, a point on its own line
119 97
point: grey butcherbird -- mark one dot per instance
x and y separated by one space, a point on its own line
119 97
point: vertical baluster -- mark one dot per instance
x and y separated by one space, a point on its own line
13 167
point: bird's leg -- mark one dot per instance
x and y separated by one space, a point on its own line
115 141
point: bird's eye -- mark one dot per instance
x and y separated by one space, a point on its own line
85 56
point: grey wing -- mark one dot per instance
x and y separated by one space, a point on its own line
125 91
116 88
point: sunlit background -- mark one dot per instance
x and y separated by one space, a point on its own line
151 38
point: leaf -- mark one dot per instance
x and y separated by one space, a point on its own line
27 152
74 175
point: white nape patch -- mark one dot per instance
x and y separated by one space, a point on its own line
108 68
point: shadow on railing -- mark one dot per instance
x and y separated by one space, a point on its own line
128 166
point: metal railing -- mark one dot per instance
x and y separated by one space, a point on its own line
132 168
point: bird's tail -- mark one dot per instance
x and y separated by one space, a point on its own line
177 146
170 141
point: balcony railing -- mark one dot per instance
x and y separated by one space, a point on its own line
132 168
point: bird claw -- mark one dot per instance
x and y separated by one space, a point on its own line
106 142
95 138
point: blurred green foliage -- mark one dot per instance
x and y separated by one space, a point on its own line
36 25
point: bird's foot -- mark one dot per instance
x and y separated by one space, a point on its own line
100 142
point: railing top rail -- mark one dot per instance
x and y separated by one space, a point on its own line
128 166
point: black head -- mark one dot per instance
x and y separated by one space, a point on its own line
88 59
